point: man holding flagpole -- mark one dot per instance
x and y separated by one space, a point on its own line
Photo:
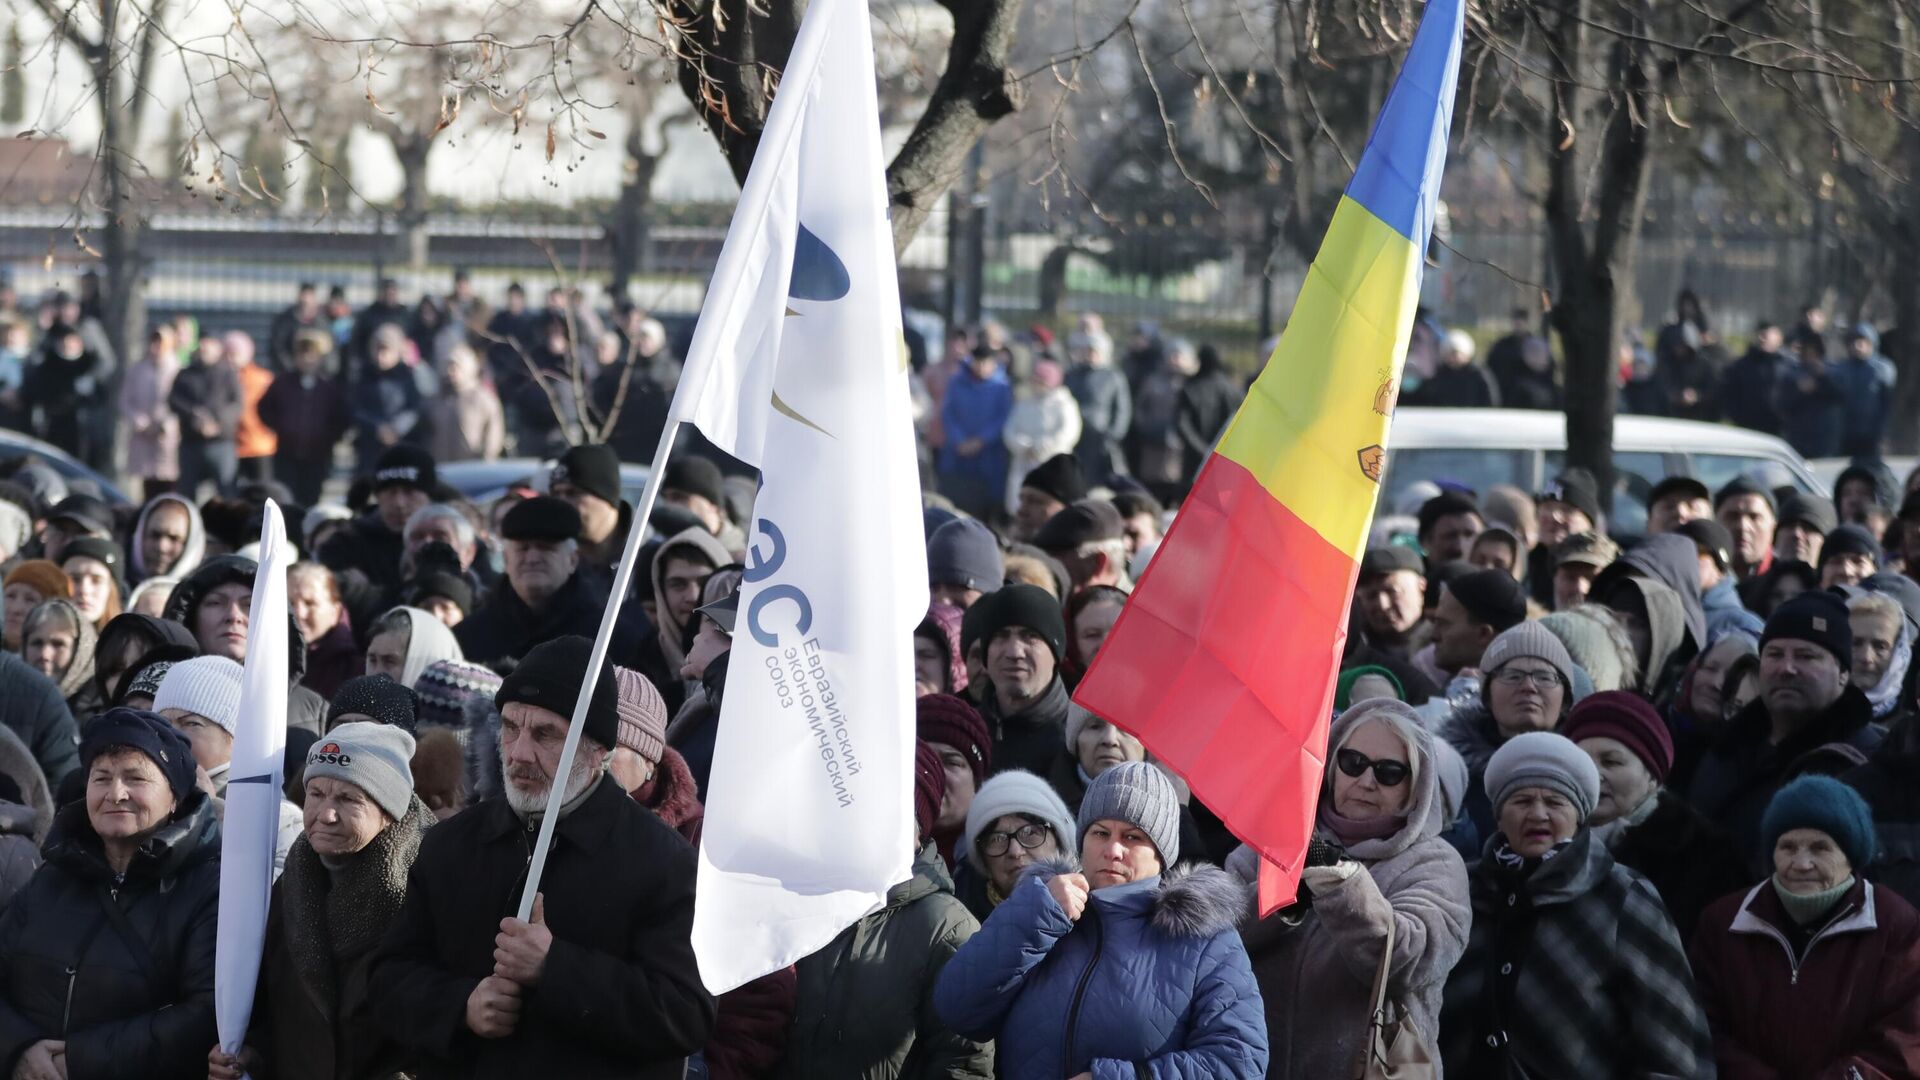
601 981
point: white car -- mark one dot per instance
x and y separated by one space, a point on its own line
1478 448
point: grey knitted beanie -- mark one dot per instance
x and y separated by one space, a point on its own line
1139 794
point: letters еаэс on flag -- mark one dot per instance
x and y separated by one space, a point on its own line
798 367
252 820
1223 661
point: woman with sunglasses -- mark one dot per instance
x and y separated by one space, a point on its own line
1647 827
1573 967
1527 685
1316 961
1016 820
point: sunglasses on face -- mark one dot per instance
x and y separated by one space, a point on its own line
1027 836
1387 773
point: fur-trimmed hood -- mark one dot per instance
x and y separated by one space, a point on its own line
1192 900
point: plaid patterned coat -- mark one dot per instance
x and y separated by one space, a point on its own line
1575 971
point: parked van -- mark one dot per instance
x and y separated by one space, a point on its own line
1478 448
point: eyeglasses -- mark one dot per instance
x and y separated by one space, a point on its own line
1512 678
1355 764
1029 837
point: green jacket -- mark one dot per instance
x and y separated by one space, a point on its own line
864 1007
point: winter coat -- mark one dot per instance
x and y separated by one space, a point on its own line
66 392
864 1008
673 797
1207 404
1866 398
1683 369
312 1017
140 1003
1685 857
1740 773
696 723
19 855
975 408
1726 614
368 546
191 553
1814 407
1845 1007
1151 981
33 709
389 398
504 626
308 415
1890 782
1749 390
1466 386
1316 966
17 764
210 390
1032 737
1573 971
1106 412
333 660
153 431
466 425
1471 730
1153 442
620 995
1041 425
285 330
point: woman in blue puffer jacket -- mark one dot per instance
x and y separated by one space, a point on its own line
1130 969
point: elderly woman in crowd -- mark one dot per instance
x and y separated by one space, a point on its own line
1527 685
1699 706
1132 964
1091 613
404 641
313 599
127 639
958 734
1573 967
345 878
1882 653
59 642
1398 886
106 959
1647 828
28 585
1815 971
1016 820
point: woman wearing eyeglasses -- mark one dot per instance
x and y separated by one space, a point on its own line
1016 820
1527 685
1573 967
1317 960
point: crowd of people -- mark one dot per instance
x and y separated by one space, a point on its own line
1827 391
1587 810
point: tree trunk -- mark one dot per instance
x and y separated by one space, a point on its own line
410 215
633 211
1053 281
1904 434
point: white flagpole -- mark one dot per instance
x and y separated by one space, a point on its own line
621 579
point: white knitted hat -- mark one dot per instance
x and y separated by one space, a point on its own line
206 685
1017 791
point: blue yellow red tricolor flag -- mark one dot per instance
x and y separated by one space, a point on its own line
1224 660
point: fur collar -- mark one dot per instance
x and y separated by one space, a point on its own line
671 794
1192 900
333 918
1471 730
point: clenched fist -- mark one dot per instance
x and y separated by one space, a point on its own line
1070 892
493 1009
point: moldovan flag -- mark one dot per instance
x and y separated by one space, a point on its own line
1223 662
252 820
798 367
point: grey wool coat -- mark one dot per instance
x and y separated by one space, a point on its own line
1316 962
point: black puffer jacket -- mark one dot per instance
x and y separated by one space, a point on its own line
141 1004
1890 782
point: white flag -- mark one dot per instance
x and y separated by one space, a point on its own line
252 821
798 367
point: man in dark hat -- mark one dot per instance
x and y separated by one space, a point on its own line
72 518
1577 560
1449 522
1391 598
1473 610
696 485
1805 520
1570 505
543 595
1024 635
1718 599
1848 555
1051 487
1748 512
589 478
1809 718
602 981
374 543
1090 540
1675 501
